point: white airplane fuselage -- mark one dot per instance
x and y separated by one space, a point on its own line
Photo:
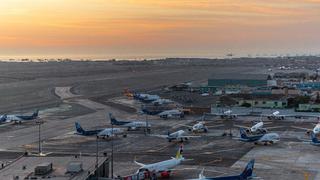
109 132
270 138
199 127
138 124
163 165
177 134
171 113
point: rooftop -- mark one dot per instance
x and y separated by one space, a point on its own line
24 167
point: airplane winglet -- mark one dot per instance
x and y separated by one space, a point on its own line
140 164
201 176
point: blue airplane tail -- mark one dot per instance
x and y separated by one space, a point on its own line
113 120
3 118
243 133
79 129
314 138
248 171
35 114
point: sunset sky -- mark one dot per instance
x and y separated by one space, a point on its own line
157 28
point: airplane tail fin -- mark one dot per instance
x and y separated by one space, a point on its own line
113 120
243 133
314 138
79 128
201 176
179 153
248 171
35 114
3 118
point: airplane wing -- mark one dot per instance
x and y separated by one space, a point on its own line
242 114
159 135
301 128
188 136
186 125
219 125
266 123
216 114
274 127
239 126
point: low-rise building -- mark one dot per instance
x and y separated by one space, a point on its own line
309 107
234 85
59 167
286 91
264 101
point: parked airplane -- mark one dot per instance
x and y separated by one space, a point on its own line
139 96
269 138
163 167
315 130
200 127
174 113
313 140
276 116
20 118
258 128
107 132
181 134
111 132
245 175
131 125
161 102
229 115
81 131
146 97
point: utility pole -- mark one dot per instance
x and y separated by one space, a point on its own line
39 122
146 131
97 156
112 151
39 138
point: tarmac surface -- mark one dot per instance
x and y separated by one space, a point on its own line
66 94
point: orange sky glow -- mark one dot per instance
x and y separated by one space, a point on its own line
154 28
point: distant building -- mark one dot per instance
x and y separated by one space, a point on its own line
309 86
286 91
234 84
262 91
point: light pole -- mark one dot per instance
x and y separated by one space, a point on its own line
39 122
112 151
97 157
146 131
